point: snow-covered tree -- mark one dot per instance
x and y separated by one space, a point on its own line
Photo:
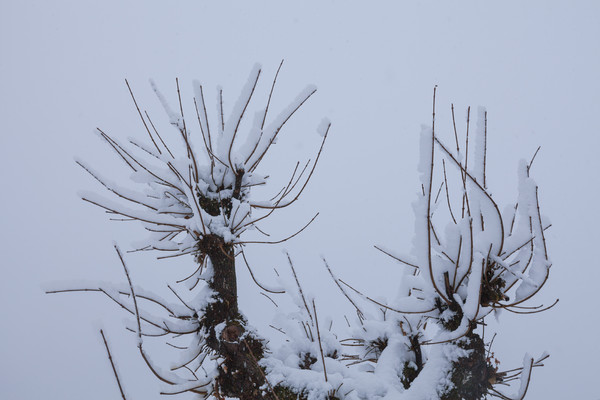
468 260
196 200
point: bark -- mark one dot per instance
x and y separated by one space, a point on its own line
240 375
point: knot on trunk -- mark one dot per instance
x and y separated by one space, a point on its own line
232 333
214 246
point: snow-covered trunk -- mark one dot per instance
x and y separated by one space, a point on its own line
223 282
227 331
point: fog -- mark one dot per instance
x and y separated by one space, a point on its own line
534 66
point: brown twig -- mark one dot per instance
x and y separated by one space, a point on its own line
319 338
254 279
112 364
299 287
141 117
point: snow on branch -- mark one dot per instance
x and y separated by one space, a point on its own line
180 199
468 260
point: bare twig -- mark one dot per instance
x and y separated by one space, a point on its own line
112 364
319 338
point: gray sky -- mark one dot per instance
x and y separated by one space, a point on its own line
534 65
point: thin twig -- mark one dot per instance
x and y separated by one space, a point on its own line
532 158
137 311
141 117
299 287
254 279
112 364
396 257
358 310
319 338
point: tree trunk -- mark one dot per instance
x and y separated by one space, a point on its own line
239 375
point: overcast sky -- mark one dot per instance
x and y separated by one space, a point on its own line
534 65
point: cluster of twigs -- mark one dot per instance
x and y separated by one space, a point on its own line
196 195
180 320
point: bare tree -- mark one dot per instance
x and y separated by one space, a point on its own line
469 260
